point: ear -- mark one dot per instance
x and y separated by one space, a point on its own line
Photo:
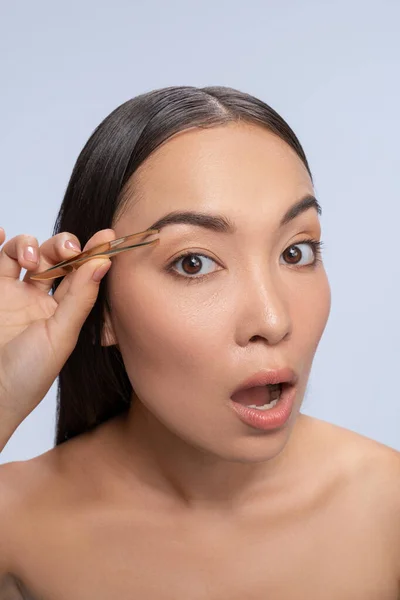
108 337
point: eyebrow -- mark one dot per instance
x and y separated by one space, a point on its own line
222 224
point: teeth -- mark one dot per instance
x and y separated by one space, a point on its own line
265 406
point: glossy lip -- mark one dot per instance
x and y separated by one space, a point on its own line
271 420
268 377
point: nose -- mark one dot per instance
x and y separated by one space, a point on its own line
263 311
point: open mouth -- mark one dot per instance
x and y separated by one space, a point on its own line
261 398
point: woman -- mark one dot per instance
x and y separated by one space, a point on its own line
163 482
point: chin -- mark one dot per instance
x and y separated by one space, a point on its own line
260 449
255 446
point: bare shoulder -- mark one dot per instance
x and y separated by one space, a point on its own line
368 470
8 498
39 493
15 478
370 475
40 496
45 481
54 484
365 463
20 482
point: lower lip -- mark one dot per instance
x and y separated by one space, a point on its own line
270 419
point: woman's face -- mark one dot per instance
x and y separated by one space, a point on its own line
187 341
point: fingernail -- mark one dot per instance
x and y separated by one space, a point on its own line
31 254
71 245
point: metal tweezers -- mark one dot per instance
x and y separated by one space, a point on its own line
105 250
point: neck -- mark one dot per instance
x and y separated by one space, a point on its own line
182 475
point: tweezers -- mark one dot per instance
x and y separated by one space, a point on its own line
105 250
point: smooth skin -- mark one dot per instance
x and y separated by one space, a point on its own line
179 498
38 331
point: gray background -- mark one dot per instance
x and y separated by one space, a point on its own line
331 70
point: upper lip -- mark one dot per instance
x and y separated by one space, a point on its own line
268 377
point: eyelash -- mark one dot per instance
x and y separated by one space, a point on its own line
316 246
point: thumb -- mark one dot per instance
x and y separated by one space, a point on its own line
77 302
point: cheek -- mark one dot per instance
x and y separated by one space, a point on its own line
310 311
168 334
178 336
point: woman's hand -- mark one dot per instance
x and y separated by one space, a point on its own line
39 331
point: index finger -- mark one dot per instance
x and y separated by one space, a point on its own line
52 251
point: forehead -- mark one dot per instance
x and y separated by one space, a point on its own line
230 168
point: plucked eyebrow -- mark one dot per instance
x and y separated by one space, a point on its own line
222 224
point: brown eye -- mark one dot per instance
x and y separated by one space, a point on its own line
191 264
300 254
292 255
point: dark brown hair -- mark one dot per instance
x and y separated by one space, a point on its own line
93 385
